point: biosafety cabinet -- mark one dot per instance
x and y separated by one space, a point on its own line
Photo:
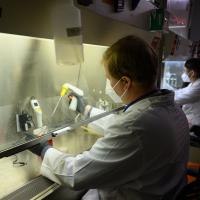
31 80
30 75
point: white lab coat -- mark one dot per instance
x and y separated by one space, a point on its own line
142 155
189 97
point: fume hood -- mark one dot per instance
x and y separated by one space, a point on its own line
29 69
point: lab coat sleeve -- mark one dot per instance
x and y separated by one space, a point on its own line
99 167
187 95
99 125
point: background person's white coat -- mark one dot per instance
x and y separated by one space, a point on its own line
189 97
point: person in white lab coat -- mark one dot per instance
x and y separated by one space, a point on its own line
144 151
189 97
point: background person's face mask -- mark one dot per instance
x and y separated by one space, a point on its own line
111 92
185 77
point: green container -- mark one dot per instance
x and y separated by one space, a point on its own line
157 20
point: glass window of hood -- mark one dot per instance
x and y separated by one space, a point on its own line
172 75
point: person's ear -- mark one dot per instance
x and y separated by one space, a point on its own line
191 74
126 81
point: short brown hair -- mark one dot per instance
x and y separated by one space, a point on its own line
193 64
132 57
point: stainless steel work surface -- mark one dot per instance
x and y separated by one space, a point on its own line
38 188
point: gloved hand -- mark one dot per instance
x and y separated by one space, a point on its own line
41 148
81 103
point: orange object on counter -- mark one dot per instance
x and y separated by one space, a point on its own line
50 142
196 168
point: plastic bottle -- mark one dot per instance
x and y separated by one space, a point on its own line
67 33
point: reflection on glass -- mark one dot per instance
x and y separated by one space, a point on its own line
172 75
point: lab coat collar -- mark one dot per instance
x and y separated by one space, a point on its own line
197 82
163 96
140 98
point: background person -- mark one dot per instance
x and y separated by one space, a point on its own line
189 97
